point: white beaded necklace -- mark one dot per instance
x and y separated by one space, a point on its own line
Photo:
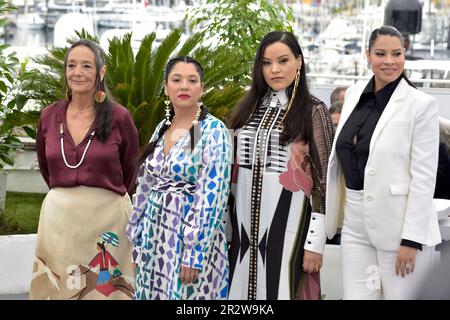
61 132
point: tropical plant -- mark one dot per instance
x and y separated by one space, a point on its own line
136 81
240 24
12 99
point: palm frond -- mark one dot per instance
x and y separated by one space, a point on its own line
219 102
120 66
136 82
160 59
83 34
142 67
190 44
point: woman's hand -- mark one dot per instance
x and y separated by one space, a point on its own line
312 261
406 260
188 275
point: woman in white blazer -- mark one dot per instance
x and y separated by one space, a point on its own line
381 178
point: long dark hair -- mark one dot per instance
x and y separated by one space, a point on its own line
152 144
388 31
103 111
102 246
298 123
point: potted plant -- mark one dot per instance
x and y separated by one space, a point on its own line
14 121
135 80
12 101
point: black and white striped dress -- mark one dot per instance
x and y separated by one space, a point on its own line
273 187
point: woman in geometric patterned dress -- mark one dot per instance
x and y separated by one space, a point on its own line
183 184
284 139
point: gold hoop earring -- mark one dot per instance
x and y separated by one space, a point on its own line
294 93
100 96
167 109
197 115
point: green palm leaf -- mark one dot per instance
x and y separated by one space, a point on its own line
192 42
163 53
142 67
137 82
120 69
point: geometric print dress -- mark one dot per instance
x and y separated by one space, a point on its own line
275 190
178 216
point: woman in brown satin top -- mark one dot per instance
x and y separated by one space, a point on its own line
86 146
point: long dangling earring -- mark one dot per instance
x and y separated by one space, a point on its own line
167 109
100 95
197 115
294 93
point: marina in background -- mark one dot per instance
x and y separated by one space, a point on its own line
331 32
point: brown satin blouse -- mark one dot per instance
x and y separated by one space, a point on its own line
109 165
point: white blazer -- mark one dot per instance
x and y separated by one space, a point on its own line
400 175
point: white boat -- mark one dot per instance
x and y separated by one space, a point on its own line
54 9
31 21
67 24
166 17
125 20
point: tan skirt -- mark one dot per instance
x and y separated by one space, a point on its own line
82 251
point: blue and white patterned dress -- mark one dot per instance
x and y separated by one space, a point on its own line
178 216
